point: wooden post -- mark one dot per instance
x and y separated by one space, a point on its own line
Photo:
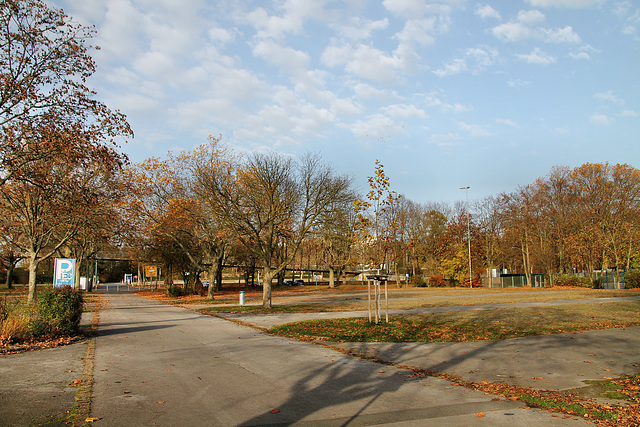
369 297
386 300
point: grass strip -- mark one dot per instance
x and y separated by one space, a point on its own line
466 326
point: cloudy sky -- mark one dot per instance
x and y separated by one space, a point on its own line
445 93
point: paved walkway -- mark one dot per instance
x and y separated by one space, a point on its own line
548 362
162 365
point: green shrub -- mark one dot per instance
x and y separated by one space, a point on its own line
175 291
571 280
57 313
632 278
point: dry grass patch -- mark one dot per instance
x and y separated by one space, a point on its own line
470 325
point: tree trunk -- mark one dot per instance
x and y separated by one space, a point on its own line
9 281
33 267
332 283
213 279
267 275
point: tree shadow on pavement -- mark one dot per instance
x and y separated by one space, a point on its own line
343 391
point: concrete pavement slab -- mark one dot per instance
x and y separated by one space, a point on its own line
547 362
37 387
162 365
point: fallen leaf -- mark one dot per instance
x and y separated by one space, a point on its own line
480 414
591 355
160 401
587 361
91 420
536 378
274 411
381 372
127 392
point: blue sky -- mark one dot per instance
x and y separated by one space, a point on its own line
448 93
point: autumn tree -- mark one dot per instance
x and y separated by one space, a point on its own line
44 64
423 226
268 199
377 221
335 232
168 204
46 202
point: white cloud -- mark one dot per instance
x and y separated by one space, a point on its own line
629 113
608 96
538 57
518 83
432 100
364 61
295 14
377 126
366 91
287 59
580 55
419 31
446 139
530 17
487 12
575 4
527 25
360 29
417 8
404 111
506 122
513 32
600 119
474 60
474 130
456 66
630 17
561 35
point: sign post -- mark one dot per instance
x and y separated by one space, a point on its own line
64 272
151 271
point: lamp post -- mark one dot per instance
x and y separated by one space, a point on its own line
466 190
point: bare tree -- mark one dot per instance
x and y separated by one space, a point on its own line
269 199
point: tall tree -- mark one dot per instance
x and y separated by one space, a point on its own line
269 199
168 204
377 222
44 63
47 202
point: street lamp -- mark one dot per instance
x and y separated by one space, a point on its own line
466 190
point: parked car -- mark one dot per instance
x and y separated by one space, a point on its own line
299 282
289 283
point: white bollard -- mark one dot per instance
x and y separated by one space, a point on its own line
241 297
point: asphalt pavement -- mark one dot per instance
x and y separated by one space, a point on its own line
156 364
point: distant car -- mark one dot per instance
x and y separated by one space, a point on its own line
253 283
289 283
299 282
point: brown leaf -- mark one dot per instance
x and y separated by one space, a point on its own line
480 414
91 419
274 411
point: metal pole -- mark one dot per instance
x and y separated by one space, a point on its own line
466 189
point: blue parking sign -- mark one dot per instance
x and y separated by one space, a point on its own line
64 272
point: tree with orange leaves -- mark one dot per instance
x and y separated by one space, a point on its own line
44 63
169 208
